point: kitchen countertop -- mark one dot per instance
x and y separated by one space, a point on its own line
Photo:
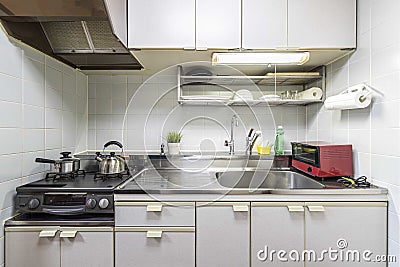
193 176
173 181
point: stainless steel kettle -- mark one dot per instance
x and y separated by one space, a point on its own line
111 164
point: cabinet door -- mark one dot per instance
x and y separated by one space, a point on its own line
31 246
264 24
346 227
322 24
161 24
91 247
223 234
218 24
276 226
154 247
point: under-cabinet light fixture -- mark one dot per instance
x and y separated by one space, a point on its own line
254 58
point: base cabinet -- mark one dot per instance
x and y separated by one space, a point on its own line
223 231
318 234
346 227
29 246
59 246
154 247
276 226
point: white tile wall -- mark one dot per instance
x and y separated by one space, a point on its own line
374 131
152 110
39 117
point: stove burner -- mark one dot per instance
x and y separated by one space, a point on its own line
55 176
101 176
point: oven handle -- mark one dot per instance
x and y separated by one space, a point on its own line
69 211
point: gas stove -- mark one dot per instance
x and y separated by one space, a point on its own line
70 195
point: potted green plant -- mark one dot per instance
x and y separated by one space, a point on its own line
173 141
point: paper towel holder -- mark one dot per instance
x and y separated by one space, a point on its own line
361 91
363 86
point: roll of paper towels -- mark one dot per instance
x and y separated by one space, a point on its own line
314 93
350 100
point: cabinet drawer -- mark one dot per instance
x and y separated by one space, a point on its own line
155 246
154 214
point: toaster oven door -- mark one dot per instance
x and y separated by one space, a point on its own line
306 153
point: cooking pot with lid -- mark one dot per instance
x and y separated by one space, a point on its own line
66 163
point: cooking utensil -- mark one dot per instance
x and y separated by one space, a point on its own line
111 164
66 163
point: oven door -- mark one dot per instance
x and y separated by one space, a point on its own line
306 153
64 203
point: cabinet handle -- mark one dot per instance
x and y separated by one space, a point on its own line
240 208
154 207
154 234
201 48
48 233
316 208
295 208
70 234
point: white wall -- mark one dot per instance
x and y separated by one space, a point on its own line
153 111
43 111
374 131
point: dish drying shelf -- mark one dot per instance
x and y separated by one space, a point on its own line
242 80
286 102
270 79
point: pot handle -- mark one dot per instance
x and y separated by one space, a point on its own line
113 143
42 160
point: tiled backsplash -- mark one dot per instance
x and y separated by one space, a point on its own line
152 110
43 110
374 131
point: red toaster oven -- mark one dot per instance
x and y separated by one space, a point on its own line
322 159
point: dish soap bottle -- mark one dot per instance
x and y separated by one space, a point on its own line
279 141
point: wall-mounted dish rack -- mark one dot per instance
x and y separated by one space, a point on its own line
277 80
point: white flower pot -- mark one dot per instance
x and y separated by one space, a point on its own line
173 148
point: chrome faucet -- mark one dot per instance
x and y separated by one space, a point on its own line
231 143
250 141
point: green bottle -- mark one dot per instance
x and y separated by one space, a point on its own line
279 141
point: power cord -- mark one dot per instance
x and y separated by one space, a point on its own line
360 182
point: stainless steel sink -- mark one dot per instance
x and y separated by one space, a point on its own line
264 179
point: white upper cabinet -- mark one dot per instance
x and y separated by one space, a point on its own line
264 24
322 24
161 24
218 24
248 24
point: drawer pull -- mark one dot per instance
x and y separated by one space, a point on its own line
48 233
240 208
295 208
68 234
154 207
154 234
316 208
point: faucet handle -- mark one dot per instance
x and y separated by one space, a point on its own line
226 143
162 149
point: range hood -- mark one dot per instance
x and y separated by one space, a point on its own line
86 34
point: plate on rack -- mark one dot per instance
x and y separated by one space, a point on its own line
270 97
206 97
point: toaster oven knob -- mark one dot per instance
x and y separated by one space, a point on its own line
103 203
309 169
33 203
91 203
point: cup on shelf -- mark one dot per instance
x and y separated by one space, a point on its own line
292 95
